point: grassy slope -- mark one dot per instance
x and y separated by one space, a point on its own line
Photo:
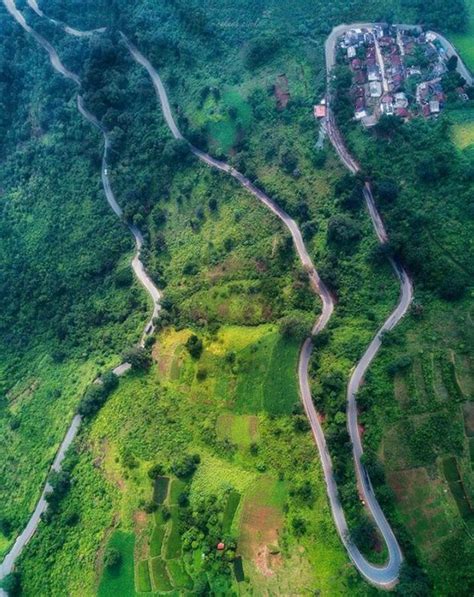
359 314
464 42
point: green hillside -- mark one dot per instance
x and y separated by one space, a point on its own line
207 442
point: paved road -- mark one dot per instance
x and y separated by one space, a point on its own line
316 283
33 4
7 565
383 576
388 574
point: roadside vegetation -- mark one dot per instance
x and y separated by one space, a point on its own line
70 303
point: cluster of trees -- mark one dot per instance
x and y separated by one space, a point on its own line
186 466
96 394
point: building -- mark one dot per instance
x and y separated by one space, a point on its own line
351 52
434 107
401 100
373 73
319 111
386 105
375 89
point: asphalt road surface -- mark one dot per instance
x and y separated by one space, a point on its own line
386 575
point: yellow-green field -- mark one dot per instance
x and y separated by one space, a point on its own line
463 134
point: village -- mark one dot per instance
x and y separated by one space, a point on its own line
396 70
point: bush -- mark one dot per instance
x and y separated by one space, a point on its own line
260 50
295 326
387 190
109 381
299 526
92 400
11 584
96 394
186 466
194 346
150 507
201 374
138 358
112 558
157 470
343 231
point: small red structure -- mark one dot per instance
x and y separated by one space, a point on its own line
220 546
319 111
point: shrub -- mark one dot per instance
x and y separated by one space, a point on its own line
157 470
194 346
185 466
150 507
201 374
112 558
299 526
138 358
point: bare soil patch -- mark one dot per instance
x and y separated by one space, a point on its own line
282 92
260 527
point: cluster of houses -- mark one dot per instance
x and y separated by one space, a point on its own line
395 71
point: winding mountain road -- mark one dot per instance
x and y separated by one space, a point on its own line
381 576
7 565
33 4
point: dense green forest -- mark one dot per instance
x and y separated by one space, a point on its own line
205 441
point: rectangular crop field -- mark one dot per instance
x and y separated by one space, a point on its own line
230 510
281 385
160 490
178 575
457 488
159 575
119 580
177 487
157 537
173 542
143 577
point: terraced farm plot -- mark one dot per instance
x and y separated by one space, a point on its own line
177 488
119 580
468 413
159 574
157 536
451 471
173 541
261 522
241 430
215 475
232 504
426 508
268 383
143 581
280 392
160 490
178 575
